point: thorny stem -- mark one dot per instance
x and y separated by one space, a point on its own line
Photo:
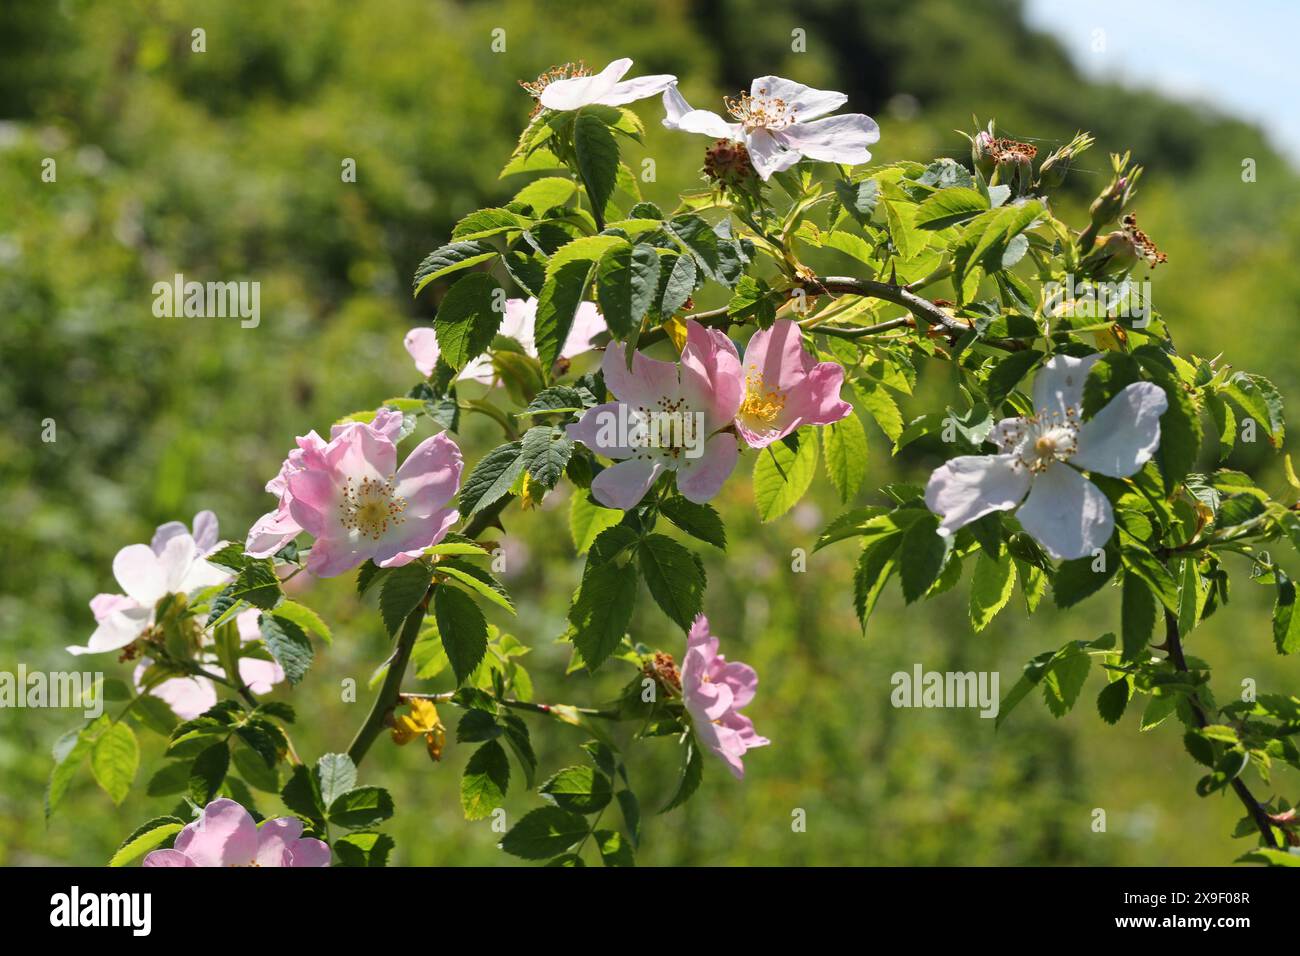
1173 643
387 697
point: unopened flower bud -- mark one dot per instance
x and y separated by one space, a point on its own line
1117 193
1116 253
1052 173
981 152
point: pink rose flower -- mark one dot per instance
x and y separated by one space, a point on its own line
350 495
666 417
786 387
518 323
227 836
714 690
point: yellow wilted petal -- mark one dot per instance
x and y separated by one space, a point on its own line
434 740
676 330
423 719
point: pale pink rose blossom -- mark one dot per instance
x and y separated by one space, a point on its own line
1040 459
518 323
714 690
786 387
700 395
227 835
352 498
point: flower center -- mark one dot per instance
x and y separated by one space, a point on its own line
761 111
761 404
565 71
1044 439
371 507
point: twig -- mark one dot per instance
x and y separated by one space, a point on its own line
1173 643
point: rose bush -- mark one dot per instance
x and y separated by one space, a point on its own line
1081 450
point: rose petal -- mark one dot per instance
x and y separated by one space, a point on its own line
1066 513
971 486
1123 436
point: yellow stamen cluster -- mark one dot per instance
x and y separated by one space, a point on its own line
761 111
761 404
371 508
565 71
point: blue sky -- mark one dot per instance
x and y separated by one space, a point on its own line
1241 56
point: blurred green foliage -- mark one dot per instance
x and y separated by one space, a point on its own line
226 165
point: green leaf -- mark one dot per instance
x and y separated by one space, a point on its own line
450 258
675 577
699 239
363 849
301 794
845 444
580 789
467 319
858 199
478 581
305 618
587 519
336 774
544 453
483 786
1113 700
602 610
1062 684
692 774
876 563
543 833
596 151
560 297
70 751
1137 617
491 478
288 644
114 759
991 587
950 206
1083 577
700 521
626 282
257 584
1258 399
1286 622
782 475
404 589
920 557
1008 373
679 283
145 837
462 628
483 223
615 849
361 807
207 773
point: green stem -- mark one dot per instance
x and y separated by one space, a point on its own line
387 697
547 709
1174 645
